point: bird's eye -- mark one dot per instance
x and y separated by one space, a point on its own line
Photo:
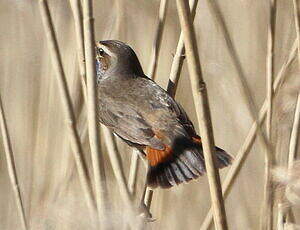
101 52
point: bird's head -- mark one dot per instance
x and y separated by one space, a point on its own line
115 58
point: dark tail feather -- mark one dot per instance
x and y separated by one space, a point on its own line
183 168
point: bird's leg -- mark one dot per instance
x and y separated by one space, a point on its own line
144 210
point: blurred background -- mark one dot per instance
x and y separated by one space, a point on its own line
46 169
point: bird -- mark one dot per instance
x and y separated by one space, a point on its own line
146 117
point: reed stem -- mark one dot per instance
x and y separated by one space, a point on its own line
97 158
203 113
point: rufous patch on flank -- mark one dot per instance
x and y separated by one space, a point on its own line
156 157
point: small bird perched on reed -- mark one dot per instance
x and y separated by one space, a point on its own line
141 113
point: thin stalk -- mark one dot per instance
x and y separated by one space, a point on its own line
242 154
67 104
203 113
296 18
158 37
97 158
179 56
120 18
77 14
11 167
268 201
294 135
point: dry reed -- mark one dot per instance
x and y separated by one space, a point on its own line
203 113
67 105
11 167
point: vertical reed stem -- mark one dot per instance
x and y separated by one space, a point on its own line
67 104
203 113
11 167
97 158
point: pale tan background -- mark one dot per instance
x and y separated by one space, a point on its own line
48 179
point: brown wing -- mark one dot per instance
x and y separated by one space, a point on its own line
128 124
169 123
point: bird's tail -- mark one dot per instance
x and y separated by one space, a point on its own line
183 167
